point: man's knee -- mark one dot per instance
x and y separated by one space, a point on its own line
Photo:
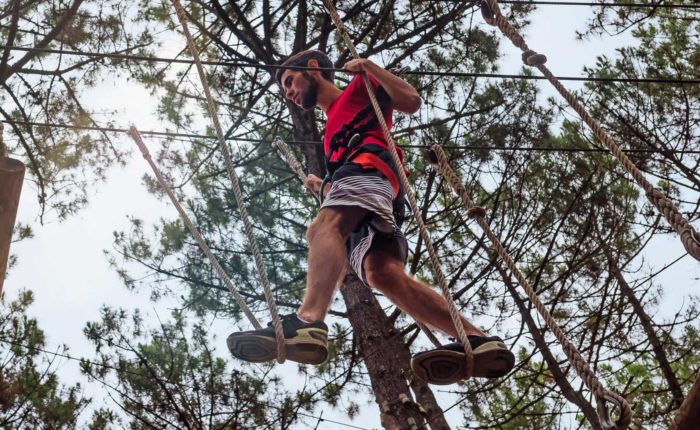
384 276
315 229
325 225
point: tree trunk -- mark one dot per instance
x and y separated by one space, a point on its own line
306 130
11 176
391 390
424 395
688 415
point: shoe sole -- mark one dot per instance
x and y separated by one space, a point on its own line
258 349
441 367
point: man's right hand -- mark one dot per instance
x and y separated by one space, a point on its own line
312 183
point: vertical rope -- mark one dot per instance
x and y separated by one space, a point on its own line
583 369
442 282
252 242
289 158
291 161
689 236
134 134
296 167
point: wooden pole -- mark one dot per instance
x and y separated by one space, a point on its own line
11 177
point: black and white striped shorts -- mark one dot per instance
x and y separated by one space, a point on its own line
353 185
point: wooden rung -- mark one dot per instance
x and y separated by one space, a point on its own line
11 177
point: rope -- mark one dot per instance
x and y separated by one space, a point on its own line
681 417
134 134
454 312
252 242
439 161
292 161
689 237
297 168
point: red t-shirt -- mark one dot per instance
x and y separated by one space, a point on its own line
343 109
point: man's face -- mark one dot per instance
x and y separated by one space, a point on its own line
301 88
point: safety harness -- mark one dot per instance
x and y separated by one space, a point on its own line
349 139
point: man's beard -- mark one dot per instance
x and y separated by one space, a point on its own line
310 96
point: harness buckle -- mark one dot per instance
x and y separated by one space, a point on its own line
354 140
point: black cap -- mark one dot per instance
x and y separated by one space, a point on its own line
302 59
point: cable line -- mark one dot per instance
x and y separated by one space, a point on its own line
321 419
337 69
603 4
318 142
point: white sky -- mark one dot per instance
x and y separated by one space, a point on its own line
65 267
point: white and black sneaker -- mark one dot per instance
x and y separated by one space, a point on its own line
304 342
447 364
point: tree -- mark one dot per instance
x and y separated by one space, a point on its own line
31 395
169 377
661 118
45 89
556 212
415 23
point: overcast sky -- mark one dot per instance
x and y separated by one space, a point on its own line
66 268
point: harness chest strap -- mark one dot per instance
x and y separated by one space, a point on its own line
367 160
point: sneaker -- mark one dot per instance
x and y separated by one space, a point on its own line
446 365
304 342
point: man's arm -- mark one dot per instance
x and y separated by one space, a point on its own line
403 96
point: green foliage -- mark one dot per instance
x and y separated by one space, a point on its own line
169 376
31 395
44 88
655 116
521 402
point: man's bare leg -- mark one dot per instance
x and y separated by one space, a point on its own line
428 306
306 341
446 364
386 274
327 257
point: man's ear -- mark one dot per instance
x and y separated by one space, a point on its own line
313 63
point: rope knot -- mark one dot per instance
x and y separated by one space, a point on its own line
695 236
134 134
625 411
476 212
532 58
691 241
658 198
690 238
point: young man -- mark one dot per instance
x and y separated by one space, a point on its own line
360 220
